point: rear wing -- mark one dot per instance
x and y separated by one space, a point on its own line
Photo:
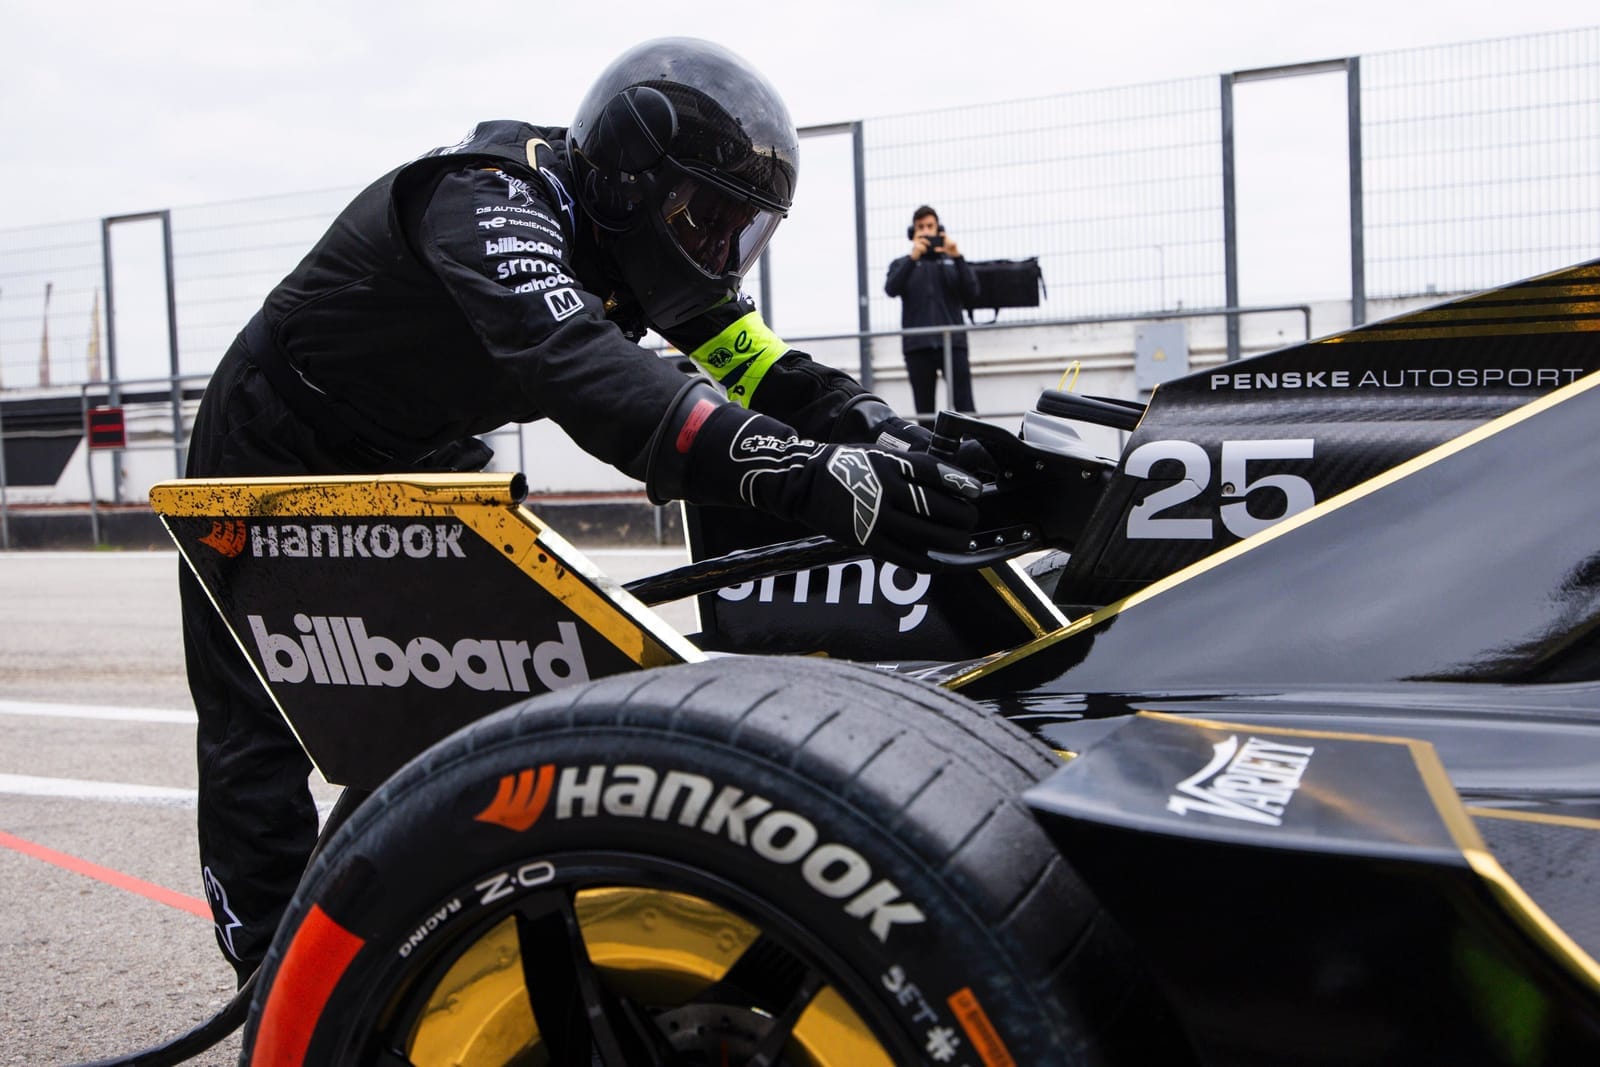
382 613
1326 890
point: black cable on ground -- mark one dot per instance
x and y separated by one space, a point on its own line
237 1010
195 1041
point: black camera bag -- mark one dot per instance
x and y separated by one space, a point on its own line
1006 283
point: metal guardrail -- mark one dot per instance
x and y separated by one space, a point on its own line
865 373
174 387
5 515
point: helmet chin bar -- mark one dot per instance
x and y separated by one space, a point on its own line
669 287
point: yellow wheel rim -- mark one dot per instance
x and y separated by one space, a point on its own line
656 946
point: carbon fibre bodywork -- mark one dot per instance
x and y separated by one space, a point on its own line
1339 411
1324 660
1341 780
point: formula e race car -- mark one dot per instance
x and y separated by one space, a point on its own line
1283 746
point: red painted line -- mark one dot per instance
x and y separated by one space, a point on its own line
149 890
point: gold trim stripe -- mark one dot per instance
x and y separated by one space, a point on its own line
1035 626
1577 821
1532 292
1590 269
1521 908
1383 480
1532 920
390 494
486 504
1434 333
1507 311
1556 284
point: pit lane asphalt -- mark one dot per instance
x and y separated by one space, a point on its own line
97 767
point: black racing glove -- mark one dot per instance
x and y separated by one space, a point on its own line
894 505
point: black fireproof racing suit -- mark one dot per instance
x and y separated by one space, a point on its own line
457 293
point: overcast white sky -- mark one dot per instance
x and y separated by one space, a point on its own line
114 107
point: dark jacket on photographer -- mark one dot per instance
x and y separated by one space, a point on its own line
933 291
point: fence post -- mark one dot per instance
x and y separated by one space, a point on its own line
107 269
1358 249
178 448
5 518
1230 220
858 143
950 371
88 465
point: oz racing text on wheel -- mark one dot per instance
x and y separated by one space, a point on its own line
729 863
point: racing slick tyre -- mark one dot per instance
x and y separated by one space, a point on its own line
738 862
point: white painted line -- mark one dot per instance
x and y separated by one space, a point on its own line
159 796
651 552
79 789
23 555
171 554
94 711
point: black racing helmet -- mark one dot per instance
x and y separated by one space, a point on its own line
686 159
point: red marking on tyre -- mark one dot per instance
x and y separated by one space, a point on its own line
311 968
980 1031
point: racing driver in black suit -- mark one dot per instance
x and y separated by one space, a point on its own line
508 278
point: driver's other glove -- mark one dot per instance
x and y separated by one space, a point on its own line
894 505
869 419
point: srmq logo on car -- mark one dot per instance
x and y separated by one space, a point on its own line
1250 783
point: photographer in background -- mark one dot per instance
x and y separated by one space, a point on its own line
934 283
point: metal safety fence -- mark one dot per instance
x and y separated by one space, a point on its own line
1465 166
154 415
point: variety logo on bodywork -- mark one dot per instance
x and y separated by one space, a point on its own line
748 820
1250 783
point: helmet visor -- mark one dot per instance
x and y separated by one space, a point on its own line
720 232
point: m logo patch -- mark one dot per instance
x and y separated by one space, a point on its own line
564 303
